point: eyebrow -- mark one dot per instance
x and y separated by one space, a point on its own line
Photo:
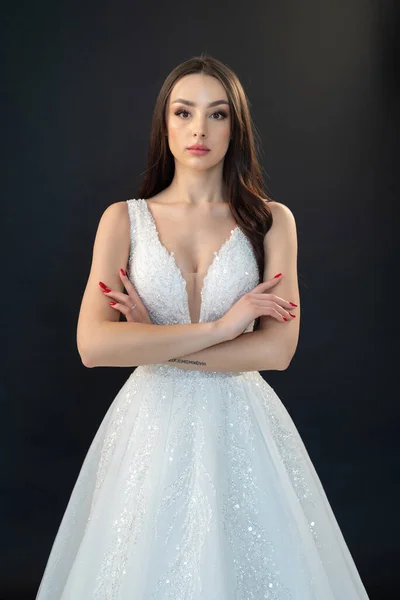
190 103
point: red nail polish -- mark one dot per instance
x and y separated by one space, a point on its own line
292 303
292 315
112 303
284 318
278 275
103 285
106 289
123 272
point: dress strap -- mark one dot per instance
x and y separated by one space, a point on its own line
132 208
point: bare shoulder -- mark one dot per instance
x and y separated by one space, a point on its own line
114 222
280 211
117 212
284 222
111 245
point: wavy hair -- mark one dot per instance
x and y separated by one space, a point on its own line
242 173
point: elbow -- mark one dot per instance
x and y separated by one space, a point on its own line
94 349
85 358
285 358
286 363
86 363
282 366
88 344
86 354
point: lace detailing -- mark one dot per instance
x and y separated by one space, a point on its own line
197 484
217 254
160 282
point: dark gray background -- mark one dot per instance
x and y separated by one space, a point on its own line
80 83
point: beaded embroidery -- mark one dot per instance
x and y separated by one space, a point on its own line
197 484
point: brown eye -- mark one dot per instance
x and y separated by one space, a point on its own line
222 113
182 110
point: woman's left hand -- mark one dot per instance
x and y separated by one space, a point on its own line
124 302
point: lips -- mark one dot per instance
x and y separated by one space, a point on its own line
198 147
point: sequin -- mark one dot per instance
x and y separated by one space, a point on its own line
162 286
197 484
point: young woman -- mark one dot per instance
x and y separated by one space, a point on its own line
197 484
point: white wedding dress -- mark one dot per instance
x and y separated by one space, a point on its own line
197 485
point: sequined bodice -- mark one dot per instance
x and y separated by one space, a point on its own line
163 287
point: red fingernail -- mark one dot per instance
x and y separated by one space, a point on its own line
123 272
103 285
106 290
292 303
292 315
284 318
112 303
278 275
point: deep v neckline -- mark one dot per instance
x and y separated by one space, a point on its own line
171 257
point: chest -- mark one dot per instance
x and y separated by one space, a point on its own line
191 236
172 295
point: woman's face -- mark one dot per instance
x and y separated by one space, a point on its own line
198 123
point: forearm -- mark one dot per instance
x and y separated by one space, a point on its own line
250 351
129 344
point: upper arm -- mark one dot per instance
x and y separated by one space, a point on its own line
280 251
110 253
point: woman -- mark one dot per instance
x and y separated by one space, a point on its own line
197 484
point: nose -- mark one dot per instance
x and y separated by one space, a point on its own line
199 129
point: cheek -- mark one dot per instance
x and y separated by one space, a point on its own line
175 128
225 133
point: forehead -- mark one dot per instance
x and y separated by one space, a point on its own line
199 88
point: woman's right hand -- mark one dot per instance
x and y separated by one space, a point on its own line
255 304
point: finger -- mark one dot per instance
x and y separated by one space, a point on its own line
271 312
274 298
121 307
129 287
119 296
276 307
125 280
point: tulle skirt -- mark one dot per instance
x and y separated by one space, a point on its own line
197 485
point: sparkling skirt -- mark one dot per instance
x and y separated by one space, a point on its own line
197 486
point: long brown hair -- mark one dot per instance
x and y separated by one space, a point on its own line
242 173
